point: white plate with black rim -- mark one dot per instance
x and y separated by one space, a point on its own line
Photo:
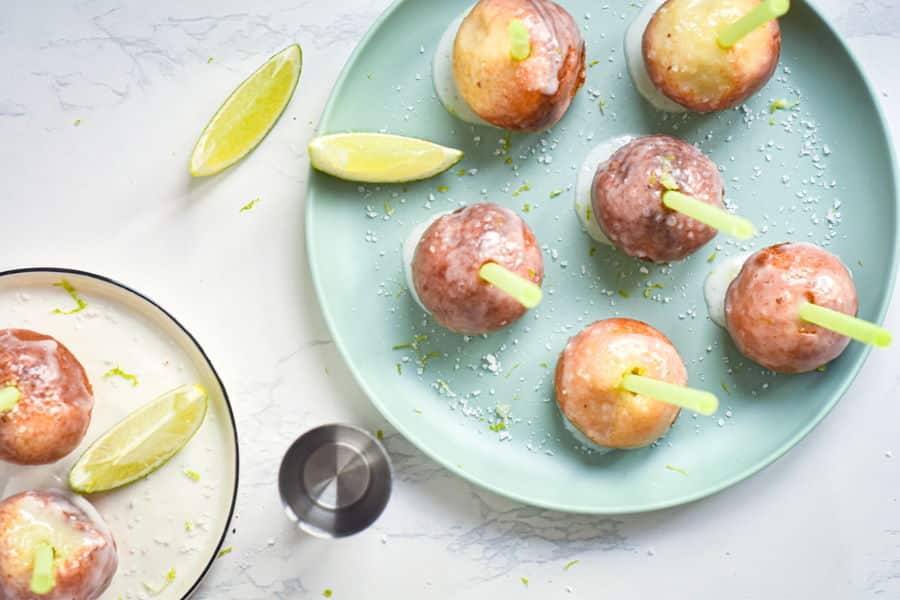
174 521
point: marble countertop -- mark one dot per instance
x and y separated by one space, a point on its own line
102 103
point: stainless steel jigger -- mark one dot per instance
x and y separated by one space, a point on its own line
335 481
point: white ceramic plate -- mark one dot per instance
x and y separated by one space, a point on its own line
120 327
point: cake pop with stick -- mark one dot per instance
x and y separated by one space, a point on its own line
704 55
620 384
792 308
476 270
512 64
656 198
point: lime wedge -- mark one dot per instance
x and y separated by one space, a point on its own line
379 157
141 443
248 114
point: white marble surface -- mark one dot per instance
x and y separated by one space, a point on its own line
112 195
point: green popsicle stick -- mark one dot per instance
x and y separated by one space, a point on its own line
9 396
764 12
519 40
525 292
838 322
43 572
698 401
715 217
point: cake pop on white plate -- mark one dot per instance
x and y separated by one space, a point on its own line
46 399
54 545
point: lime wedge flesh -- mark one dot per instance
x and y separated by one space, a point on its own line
248 114
379 157
141 443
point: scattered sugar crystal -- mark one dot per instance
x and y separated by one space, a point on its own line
490 363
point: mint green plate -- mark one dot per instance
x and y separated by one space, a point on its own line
822 172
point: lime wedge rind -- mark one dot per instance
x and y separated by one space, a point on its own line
201 163
380 157
142 442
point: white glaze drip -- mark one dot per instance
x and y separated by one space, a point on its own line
584 184
409 253
445 82
634 58
581 438
716 285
